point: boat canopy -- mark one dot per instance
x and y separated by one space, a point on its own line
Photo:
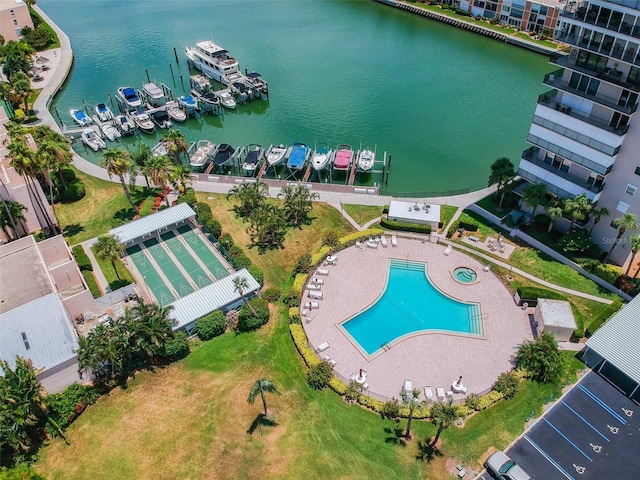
297 156
252 157
129 93
223 154
343 158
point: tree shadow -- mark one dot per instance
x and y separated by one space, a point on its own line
395 435
427 452
72 229
261 421
123 215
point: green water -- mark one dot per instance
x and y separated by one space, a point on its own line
444 103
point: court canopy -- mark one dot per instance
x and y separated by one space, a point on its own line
153 224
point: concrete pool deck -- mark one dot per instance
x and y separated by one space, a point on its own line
436 359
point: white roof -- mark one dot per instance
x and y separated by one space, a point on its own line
618 340
47 330
217 295
407 210
152 223
556 313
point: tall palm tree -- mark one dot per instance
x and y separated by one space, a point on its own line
628 221
117 162
139 158
502 172
443 415
240 284
180 177
534 195
158 170
553 213
597 214
11 215
55 155
261 386
634 240
22 88
577 208
250 197
109 248
297 203
176 143
411 398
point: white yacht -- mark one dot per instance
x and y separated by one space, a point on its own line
129 98
92 140
153 94
104 113
126 125
202 155
276 154
143 121
366 160
212 60
111 132
321 156
176 113
226 99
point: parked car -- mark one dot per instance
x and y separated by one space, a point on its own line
500 466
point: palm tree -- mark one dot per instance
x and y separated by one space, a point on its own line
109 248
22 88
176 143
597 214
158 169
534 195
180 177
261 386
553 213
54 155
11 215
634 240
297 203
443 415
250 197
139 159
628 221
411 399
502 172
117 162
577 208
240 284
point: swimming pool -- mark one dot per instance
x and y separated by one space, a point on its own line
410 304
465 275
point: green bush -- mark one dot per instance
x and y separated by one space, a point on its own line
177 347
391 409
214 227
272 294
292 299
302 265
66 406
472 400
300 341
22 471
507 384
294 315
241 261
75 191
247 321
542 222
404 226
211 325
533 293
337 386
226 241
82 259
385 209
257 274
331 240
299 283
92 283
468 226
489 399
319 375
578 241
607 313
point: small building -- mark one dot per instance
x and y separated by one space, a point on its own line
414 212
556 318
14 16
527 15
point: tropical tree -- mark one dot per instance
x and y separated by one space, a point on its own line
117 162
411 399
502 172
628 221
176 143
158 169
180 177
250 196
261 386
541 358
554 213
267 227
597 214
443 415
17 58
12 215
54 153
22 88
634 240
534 195
139 158
577 208
297 203
240 285
109 248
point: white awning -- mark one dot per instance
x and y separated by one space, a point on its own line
150 224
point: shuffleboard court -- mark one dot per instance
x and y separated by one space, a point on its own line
151 277
168 267
212 262
193 269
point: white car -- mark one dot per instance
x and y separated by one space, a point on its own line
503 468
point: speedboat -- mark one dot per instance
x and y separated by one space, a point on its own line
153 94
111 132
343 157
241 89
103 112
366 160
275 155
175 112
142 121
212 60
206 98
321 156
80 117
298 156
126 125
160 149
161 118
223 155
226 100
91 139
129 98
189 103
258 84
253 159
202 155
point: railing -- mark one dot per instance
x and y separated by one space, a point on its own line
563 61
432 194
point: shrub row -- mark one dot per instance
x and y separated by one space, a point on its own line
294 315
212 325
299 283
92 283
238 259
82 259
351 239
205 217
300 341
604 316
66 406
533 293
405 227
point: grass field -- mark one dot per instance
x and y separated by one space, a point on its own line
107 269
362 213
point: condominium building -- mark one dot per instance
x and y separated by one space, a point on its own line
528 15
584 135
14 16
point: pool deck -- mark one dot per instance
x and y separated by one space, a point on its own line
436 359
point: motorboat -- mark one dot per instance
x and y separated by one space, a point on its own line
343 157
241 90
223 154
111 132
80 117
212 60
255 154
153 94
129 98
200 158
160 149
226 99
103 112
321 156
92 140
276 154
143 121
176 113
125 124
207 99
161 118
189 104
297 156
366 160
258 84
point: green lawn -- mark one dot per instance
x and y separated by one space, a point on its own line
446 214
362 213
107 269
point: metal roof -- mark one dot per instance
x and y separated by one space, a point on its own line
218 295
150 224
44 327
618 340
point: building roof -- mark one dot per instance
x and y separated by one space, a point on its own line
408 210
39 330
152 223
618 340
10 4
217 295
556 313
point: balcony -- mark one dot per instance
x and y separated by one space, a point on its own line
611 76
548 100
612 50
531 155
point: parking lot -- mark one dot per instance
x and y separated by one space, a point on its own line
592 432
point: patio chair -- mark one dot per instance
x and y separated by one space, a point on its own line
372 244
440 393
323 271
322 347
329 360
394 241
358 244
383 241
318 281
407 387
315 294
313 286
447 250
428 393
365 386
307 319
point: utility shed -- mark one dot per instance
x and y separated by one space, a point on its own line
414 212
556 318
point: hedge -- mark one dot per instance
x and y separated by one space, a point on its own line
405 227
351 239
257 274
299 282
82 259
533 293
92 283
604 316
468 226
300 341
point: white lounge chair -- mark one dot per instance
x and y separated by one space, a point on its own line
365 386
440 393
394 241
313 286
318 281
311 305
447 250
407 387
372 244
315 294
359 244
323 346
428 393
383 241
323 271
329 360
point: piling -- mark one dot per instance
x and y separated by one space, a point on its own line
175 53
171 68
111 100
182 82
147 72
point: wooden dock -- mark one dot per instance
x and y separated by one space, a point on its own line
263 169
352 172
307 174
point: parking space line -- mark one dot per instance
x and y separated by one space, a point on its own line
548 457
606 407
584 420
567 439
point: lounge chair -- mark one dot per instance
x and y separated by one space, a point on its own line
372 244
407 387
313 286
315 294
365 386
318 281
311 305
329 360
308 319
322 347
323 271
359 244
428 393
449 394
447 250
440 393
394 241
383 241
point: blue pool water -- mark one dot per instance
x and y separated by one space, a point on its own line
411 304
